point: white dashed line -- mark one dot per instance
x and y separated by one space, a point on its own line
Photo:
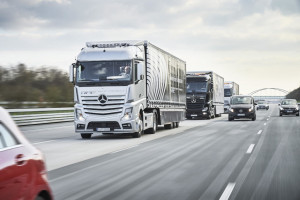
265 123
44 142
250 149
259 132
227 192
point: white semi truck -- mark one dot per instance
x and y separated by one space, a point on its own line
230 88
127 87
205 94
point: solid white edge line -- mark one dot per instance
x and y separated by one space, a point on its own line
44 142
259 132
124 149
227 192
250 148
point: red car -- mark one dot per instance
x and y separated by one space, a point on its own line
22 167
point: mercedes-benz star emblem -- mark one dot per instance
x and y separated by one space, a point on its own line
102 98
193 100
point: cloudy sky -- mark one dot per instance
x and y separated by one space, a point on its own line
255 43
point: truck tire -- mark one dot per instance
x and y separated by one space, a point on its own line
254 118
230 118
176 124
153 130
140 131
86 135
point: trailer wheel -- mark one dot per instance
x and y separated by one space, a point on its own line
168 126
176 124
153 130
86 135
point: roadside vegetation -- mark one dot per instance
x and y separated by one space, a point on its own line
295 94
21 84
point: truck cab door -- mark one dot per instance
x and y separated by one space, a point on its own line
139 80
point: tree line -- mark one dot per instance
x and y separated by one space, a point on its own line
22 84
295 94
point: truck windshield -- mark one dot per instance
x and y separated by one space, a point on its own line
227 93
104 72
241 100
195 86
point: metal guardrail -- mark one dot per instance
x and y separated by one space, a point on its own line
30 119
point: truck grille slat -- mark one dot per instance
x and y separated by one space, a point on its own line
114 105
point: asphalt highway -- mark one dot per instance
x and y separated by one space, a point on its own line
202 159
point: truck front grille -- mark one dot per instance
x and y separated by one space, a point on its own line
114 105
195 103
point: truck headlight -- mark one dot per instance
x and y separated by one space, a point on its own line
280 108
251 109
205 109
231 110
127 114
79 115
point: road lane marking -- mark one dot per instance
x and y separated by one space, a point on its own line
259 132
44 142
124 149
268 119
250 149
265 123
227 192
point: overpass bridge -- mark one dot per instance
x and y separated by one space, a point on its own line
272 95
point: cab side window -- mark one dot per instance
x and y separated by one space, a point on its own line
6 138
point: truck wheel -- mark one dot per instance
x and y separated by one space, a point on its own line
280 114
254 118
176 124
153 130
230 118
140 131
297 114
86 135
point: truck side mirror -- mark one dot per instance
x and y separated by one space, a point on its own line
71 73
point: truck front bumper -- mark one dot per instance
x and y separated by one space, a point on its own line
107 126
196 113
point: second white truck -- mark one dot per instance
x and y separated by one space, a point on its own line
230 88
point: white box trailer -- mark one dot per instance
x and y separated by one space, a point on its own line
127 87
205 94
230 88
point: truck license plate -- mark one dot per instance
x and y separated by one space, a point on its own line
289 111
240 115
193 115
103 129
